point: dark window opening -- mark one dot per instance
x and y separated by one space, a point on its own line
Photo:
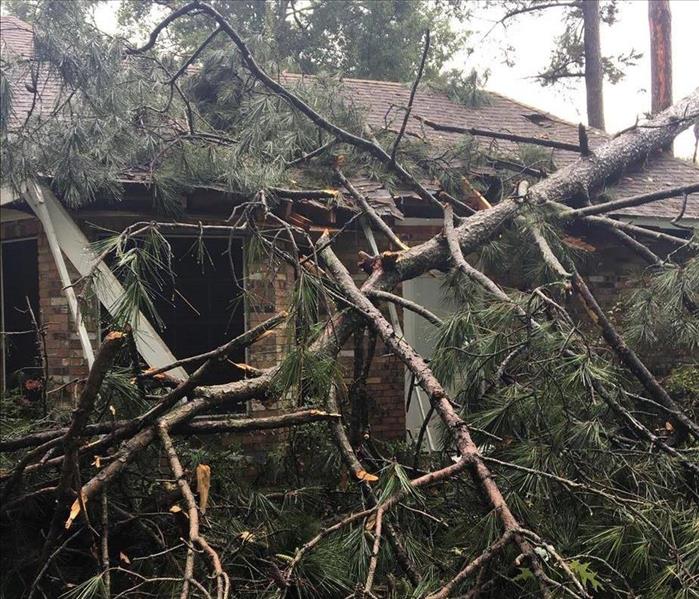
202 308
20 283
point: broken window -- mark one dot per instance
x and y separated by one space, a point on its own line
202 306
19 291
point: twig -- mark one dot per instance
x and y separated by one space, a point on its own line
409 108
41 347
194 56
369 211
636 200
536 141
474 565
195 537
407 304
104 544
243 340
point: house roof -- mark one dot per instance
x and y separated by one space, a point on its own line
383 104
33 87
17 36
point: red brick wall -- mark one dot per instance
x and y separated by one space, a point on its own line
269 292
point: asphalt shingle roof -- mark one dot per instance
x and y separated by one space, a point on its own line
383 104
27 75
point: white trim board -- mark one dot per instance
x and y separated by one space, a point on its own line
36 198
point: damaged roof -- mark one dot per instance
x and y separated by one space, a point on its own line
383 105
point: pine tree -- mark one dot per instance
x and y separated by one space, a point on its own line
564 468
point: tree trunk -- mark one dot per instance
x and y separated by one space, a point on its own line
593 65
660 22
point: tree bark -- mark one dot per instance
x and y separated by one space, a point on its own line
594 76
587 174
660 23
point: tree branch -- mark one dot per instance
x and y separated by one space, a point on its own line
536 141
637 200
195 536
411 99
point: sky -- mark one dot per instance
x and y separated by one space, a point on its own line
533 38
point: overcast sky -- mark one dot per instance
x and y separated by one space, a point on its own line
532 39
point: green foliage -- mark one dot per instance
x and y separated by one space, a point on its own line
683 381
360 38
463 88
89 589
661 312
141 266
588 577
544 416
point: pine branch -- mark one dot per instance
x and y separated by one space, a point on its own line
637 200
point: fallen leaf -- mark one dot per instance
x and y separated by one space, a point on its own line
175 508
124 558
203 472
246 536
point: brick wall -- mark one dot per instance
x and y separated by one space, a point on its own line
269 292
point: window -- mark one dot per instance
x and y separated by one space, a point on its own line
204 307
20 284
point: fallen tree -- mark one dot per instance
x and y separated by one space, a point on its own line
527 378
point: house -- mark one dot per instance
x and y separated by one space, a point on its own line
45 245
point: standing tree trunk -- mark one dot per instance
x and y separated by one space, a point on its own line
660 22
593 65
